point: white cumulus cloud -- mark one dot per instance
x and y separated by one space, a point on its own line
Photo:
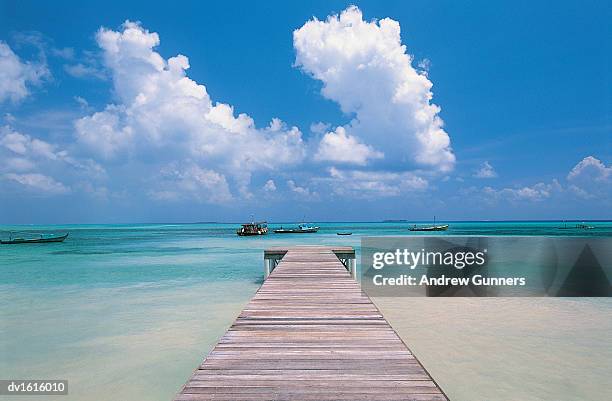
590 168
591 178
366 69
340 147
16 76
161 115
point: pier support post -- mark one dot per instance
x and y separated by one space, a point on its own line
347 257
267 269
352 268
272 257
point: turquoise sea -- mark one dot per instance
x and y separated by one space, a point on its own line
126 312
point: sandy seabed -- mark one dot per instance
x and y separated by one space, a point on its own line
510 349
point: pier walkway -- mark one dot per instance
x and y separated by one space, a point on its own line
309 333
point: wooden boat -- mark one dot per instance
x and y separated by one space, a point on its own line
301 229
434 227
254 228
343 233
40 240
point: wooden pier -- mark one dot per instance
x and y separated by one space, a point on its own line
309 333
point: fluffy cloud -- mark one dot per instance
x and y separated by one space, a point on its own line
162 115
320 127
485 171
16 75
590 168
365 69
305 193
26 146
340 147
374 184
25 158
591 178
38 182
534 193
269 186
191 182
36 151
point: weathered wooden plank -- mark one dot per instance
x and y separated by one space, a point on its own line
309 333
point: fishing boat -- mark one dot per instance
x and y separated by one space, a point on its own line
253 228
443 227
300 229
344 233
434 227
41 239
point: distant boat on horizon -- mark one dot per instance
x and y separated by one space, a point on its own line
580 226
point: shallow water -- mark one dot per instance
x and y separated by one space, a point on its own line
509 349
126 312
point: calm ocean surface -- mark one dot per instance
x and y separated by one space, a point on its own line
126 312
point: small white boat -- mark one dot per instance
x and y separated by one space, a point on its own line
434 227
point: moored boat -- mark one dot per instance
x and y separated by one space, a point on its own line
344 233
443 227
580 226
254 228
300 229
434 227
41 239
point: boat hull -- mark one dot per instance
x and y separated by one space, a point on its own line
296 231
241 234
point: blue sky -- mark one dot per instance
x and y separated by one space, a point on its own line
489 112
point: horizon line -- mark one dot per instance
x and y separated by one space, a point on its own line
325 221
